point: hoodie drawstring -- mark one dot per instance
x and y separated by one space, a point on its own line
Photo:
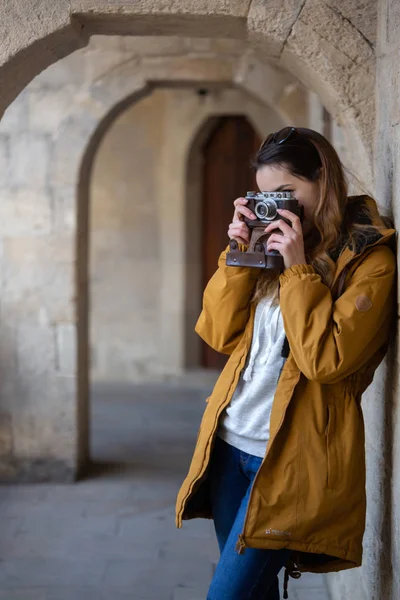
253 353
291 570
274 325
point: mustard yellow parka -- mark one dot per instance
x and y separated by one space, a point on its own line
309 493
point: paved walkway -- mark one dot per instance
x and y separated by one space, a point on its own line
113 537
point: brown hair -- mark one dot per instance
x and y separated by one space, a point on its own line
309 155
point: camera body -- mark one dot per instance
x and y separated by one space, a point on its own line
265 206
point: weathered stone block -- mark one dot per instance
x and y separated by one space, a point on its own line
99 62
363 15
16 118
70 71
222 46
43 249
49 107
345 86
265 82
34 286
4 163
193 69
125 81
29 159
35 350
389 24
238 8
8 359
25 211
5 434
65 161
44 426
66 349
269 24
65 209
340 35
33 38
151 45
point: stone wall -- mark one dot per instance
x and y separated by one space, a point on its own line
300 36
37 343
379 576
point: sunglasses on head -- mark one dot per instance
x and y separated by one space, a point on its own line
280 137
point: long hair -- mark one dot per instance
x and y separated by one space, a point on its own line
309 155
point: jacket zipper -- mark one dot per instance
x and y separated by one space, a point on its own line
201 472
241 542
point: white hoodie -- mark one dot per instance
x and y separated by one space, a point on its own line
245 422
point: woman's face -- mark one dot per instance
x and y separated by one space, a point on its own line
272 178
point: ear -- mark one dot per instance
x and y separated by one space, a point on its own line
317 175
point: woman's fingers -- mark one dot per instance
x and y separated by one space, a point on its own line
238 230
239 227
280 224
241 209
246 212
277 238
275 246
294 219
241 240
235 234
291 248
240 200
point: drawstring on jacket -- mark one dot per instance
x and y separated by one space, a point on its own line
291 570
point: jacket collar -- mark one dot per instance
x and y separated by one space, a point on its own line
362 211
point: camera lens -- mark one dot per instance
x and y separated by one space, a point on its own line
266 210
261 210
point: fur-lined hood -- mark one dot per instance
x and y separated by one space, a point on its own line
362 211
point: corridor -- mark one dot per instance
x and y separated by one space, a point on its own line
113 536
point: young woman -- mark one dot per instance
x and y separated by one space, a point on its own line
279 462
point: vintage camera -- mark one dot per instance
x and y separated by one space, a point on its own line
264 205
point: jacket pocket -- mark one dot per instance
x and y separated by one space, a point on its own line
331 448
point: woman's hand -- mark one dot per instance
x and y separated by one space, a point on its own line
291 243
238 230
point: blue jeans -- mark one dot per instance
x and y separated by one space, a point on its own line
252 575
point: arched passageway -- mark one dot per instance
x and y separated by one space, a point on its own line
142 217
144 281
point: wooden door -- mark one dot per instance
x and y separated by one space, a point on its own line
227 175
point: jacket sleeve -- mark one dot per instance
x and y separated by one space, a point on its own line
331 340
226 306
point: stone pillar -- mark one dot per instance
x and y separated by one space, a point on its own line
38 433
379 576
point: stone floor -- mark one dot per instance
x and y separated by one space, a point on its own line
112 536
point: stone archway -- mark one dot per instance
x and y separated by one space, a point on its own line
294 37
172 207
